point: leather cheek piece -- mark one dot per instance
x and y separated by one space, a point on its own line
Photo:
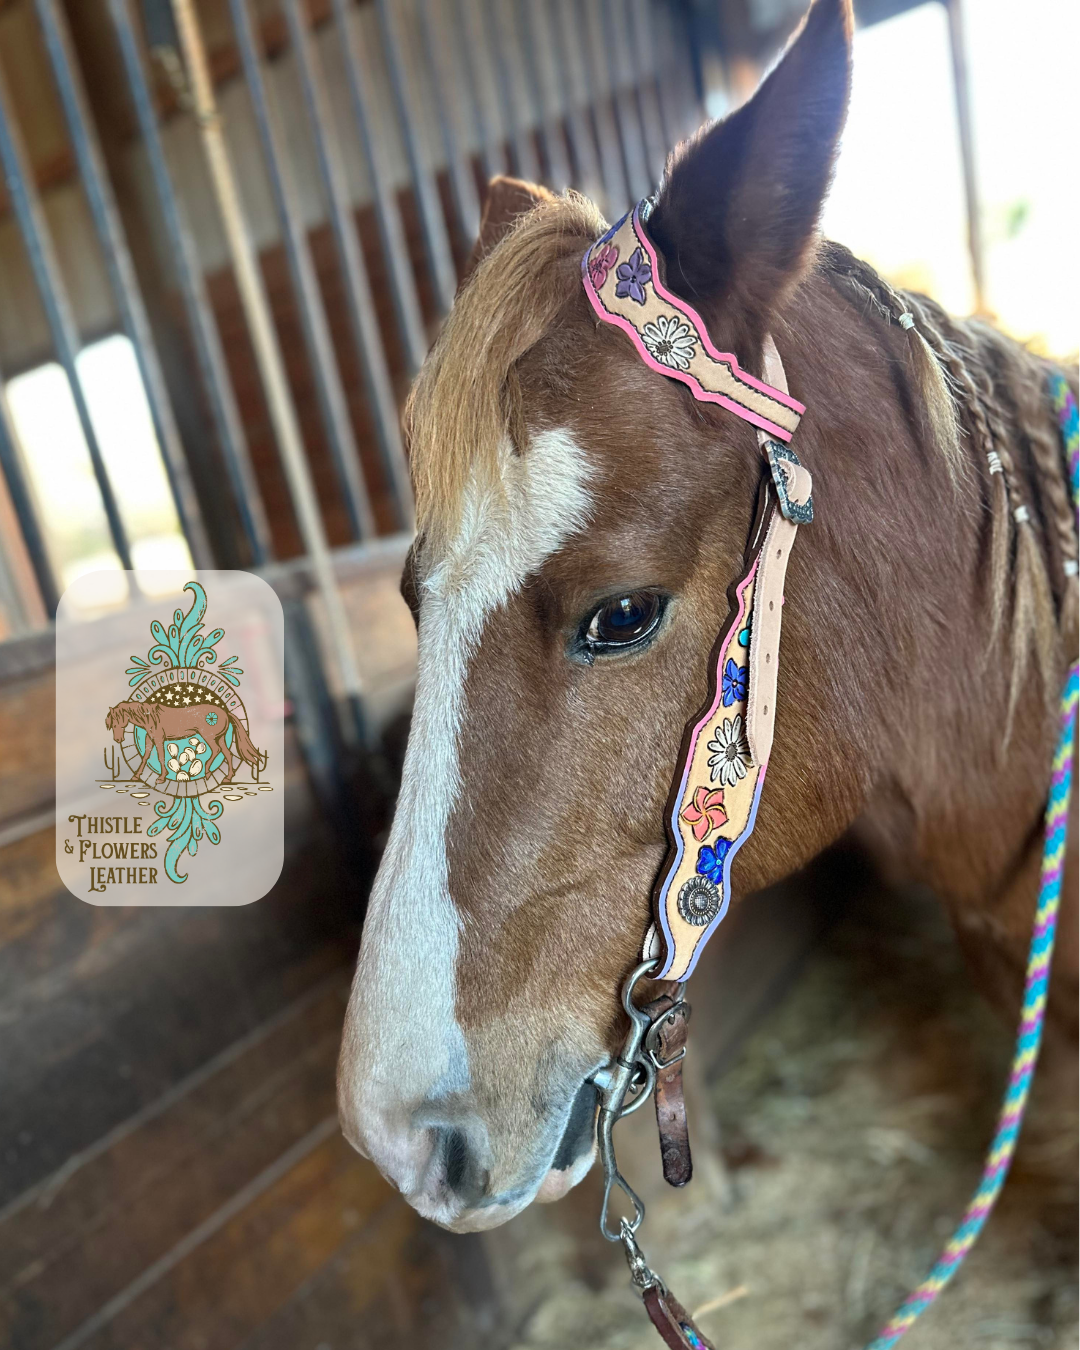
765 634
670 1036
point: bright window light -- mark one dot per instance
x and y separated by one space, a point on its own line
60 472
898 197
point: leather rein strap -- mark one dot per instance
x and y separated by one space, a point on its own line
721 769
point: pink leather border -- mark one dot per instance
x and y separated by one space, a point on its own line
688 312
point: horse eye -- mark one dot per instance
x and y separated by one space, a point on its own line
624 621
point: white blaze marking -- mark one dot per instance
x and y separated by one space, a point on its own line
402 1042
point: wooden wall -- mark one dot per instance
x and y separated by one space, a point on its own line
171 1170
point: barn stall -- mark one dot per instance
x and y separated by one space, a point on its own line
247 219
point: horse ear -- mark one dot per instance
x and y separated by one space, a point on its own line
737 214
507 199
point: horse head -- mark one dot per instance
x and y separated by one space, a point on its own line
116 720
581 520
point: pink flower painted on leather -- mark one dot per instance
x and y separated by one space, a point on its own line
601 263
706 812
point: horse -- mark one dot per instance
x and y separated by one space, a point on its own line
164 723
580 522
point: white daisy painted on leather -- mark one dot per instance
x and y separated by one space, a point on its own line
731 754
670 342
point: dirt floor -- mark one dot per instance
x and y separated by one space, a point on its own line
852 1125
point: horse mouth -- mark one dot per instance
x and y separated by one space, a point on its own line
571 1161
580 1132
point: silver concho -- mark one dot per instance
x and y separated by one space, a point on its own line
699 901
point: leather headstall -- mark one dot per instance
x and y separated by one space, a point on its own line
725 755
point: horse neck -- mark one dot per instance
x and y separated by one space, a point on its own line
899 601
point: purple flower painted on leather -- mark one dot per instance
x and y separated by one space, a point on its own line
601 262
734 683
634 276
710 860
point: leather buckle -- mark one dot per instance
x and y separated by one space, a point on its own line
654 1047
794 496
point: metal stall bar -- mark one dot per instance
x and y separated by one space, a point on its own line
643 56
207 341
440 259
55 301
392 235
492 158
358 297
20 597
638 178
267 352
586 167
333 408
22 500
679 72
962 95
549 131
523 161
590 38
670 115
121 269
462 182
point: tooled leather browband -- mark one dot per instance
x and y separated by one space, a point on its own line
621 274
721 770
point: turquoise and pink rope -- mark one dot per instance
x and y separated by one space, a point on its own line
1033 1010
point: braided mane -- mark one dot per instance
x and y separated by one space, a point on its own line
998 402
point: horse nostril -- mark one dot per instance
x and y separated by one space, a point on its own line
455 1149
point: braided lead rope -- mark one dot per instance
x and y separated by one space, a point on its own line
1065 407
1027 1043
1033 1011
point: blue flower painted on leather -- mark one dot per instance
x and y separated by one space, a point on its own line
734 684
710 860
634 275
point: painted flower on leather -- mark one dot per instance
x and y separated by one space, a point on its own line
710 860
601 262
733 685
670 342
633 276
730 755
706 812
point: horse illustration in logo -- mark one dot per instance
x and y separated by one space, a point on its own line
184 731
193 736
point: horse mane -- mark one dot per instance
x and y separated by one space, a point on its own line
997 396
464 408
142 714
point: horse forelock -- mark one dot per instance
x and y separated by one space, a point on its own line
463 417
